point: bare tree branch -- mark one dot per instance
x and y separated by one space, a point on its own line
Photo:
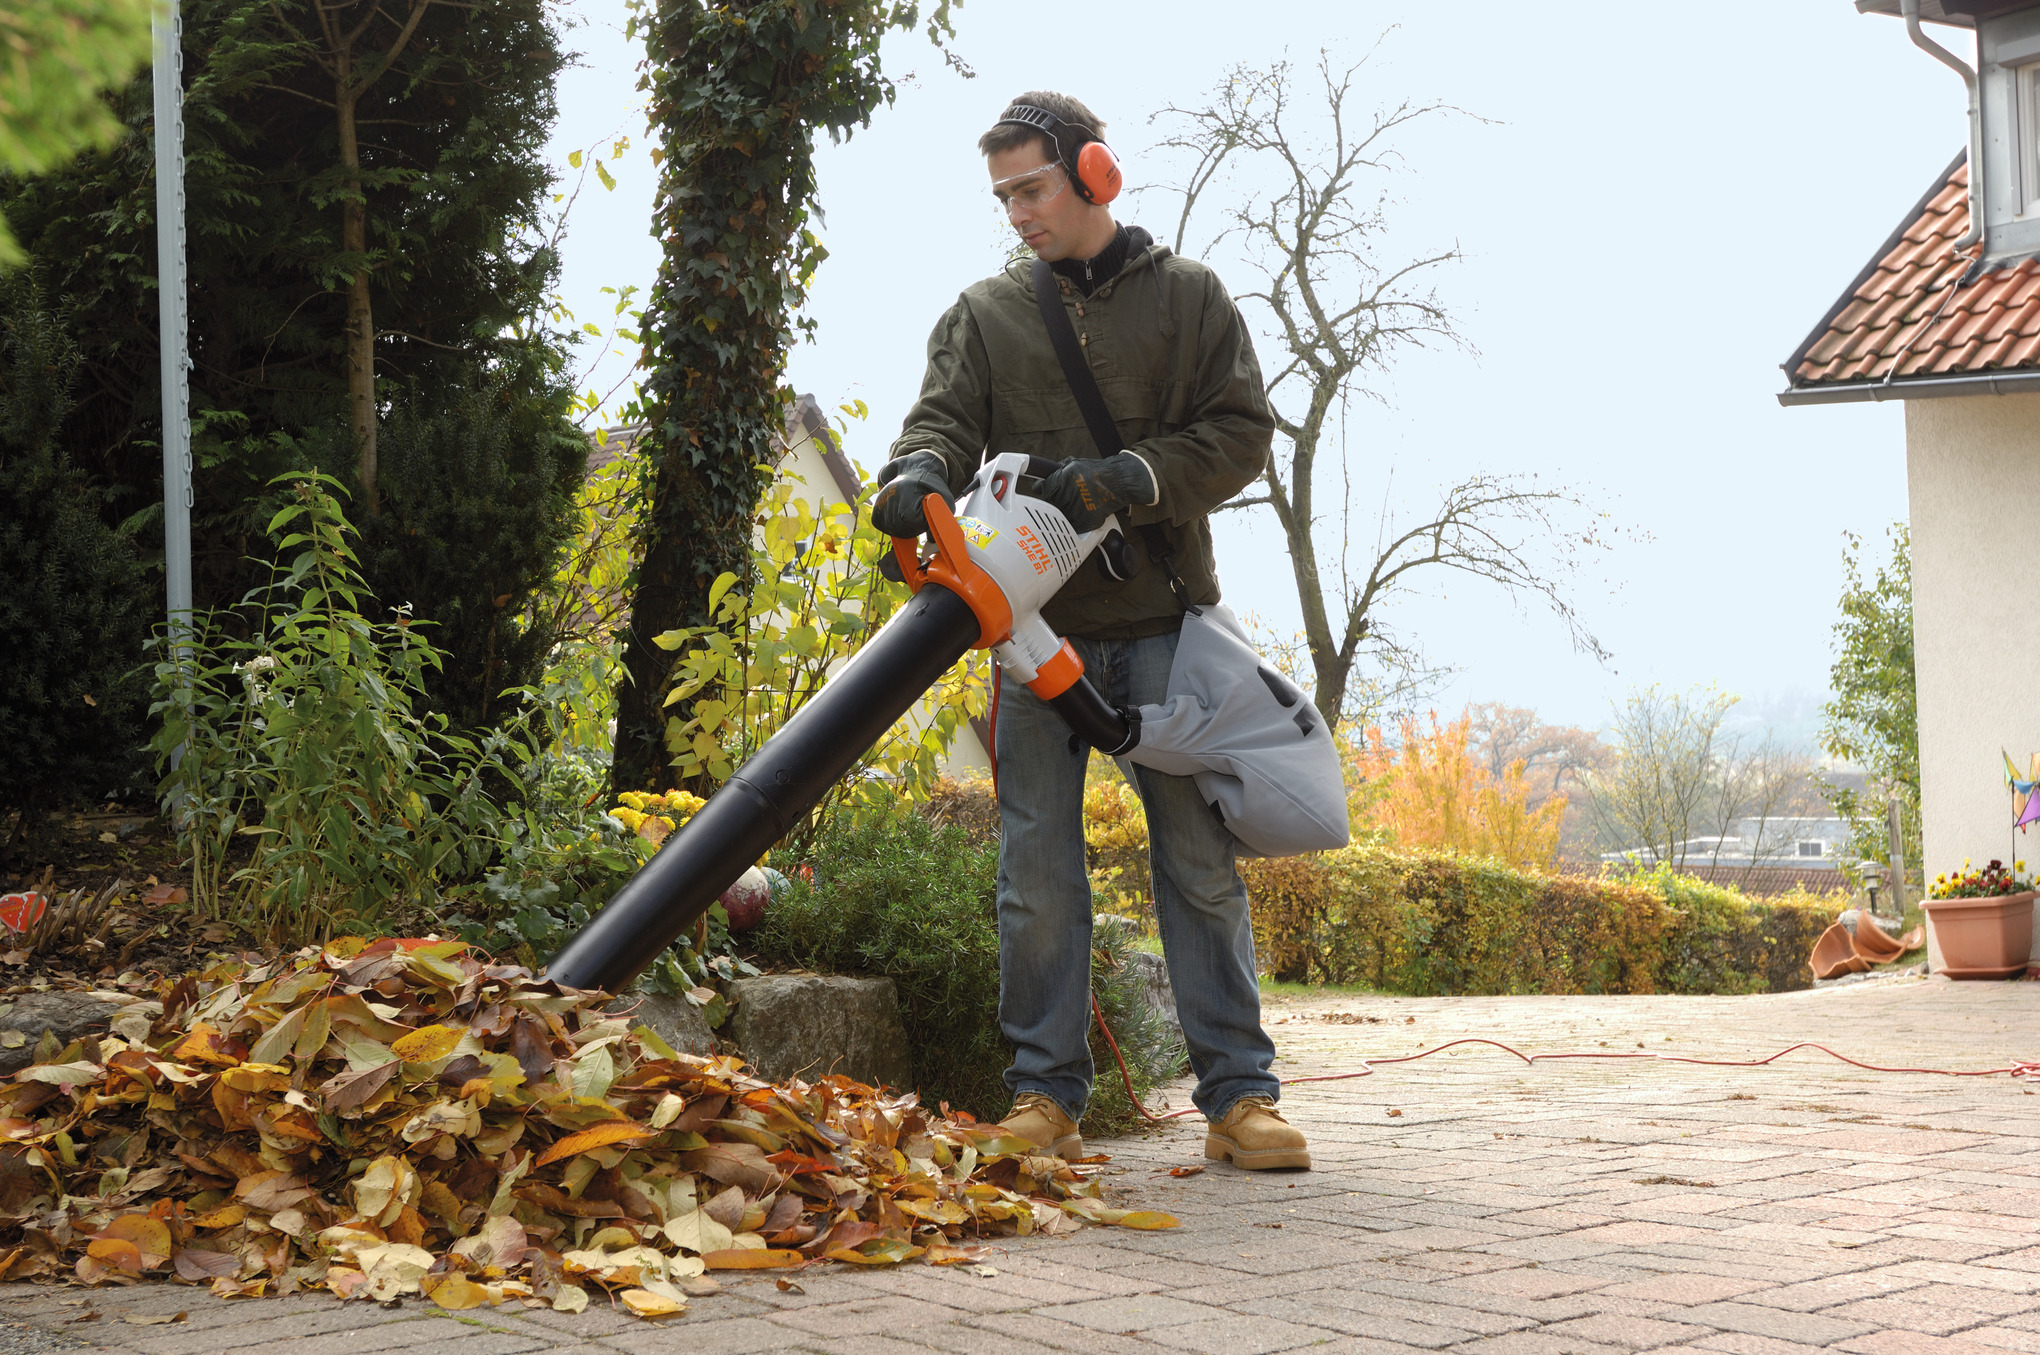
1307 183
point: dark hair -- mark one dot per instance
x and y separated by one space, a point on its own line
1006 135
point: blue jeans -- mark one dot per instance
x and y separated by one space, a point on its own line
1045 900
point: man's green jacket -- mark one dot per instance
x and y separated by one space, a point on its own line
1178 373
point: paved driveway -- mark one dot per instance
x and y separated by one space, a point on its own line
1566 1207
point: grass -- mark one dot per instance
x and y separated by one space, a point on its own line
1277 988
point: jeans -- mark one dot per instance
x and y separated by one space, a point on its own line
1045 899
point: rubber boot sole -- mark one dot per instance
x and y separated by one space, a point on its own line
1222 1149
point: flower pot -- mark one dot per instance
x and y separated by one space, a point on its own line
1983 938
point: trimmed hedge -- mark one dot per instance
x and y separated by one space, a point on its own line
1430 923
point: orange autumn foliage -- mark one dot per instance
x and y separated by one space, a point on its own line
1429 790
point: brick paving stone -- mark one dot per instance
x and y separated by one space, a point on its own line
1536 1343
1356 1322
1040 1331
1138 1312
1681 1288
864 1316
1915 1343
1235 1334
1630 1333
869 1343
1748 1343
1806 1328
1430 1309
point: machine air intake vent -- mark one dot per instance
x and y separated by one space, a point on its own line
1055 533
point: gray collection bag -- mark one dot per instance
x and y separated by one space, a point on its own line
1262 757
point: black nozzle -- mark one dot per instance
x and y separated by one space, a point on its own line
1112 730
771 793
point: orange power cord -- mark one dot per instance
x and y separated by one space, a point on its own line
2017 1069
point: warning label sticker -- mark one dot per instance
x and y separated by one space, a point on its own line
977 533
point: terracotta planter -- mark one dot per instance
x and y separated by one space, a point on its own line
1983 938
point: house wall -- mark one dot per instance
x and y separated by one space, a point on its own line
1973 482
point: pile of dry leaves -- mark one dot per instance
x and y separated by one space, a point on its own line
408 1117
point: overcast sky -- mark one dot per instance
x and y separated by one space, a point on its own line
1654 204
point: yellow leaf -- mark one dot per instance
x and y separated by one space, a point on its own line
151 1236
1148 1219
597 1136
574 159
428 1044
645 1303
384 1189
571 1298
456 1292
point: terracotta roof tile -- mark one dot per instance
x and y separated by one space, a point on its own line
1913 313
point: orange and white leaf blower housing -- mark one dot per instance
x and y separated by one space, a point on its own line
996 563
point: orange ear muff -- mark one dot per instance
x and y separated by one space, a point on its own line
1098 172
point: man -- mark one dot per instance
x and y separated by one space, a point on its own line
1178 374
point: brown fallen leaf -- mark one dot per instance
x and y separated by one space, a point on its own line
1186 1171
196 1265
752 1258
153 1319
789 1287
1394 1114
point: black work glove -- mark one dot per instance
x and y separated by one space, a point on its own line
897 509
1087 491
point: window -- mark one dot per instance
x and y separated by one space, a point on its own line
1813 849
2026 137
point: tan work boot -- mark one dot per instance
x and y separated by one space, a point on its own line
1254 1135
1040 1121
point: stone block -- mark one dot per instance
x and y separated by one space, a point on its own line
807 1025
66 1015
1112 930
1154 976
671 1017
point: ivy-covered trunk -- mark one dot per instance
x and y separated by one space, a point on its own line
738 92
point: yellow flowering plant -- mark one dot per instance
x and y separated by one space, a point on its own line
1993 881
813 597
654 817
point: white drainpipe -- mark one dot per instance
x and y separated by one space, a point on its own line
1910 9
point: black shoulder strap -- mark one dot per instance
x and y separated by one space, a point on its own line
1062 336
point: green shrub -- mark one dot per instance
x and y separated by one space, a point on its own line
77 605
1428 923
302 734
916 902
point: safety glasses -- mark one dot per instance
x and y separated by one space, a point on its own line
1035 188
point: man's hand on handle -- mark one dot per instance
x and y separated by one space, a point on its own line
1088 490
896 510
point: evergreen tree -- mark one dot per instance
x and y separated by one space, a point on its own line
74 616
738 92
430 197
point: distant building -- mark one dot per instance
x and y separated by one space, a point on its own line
1800 843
